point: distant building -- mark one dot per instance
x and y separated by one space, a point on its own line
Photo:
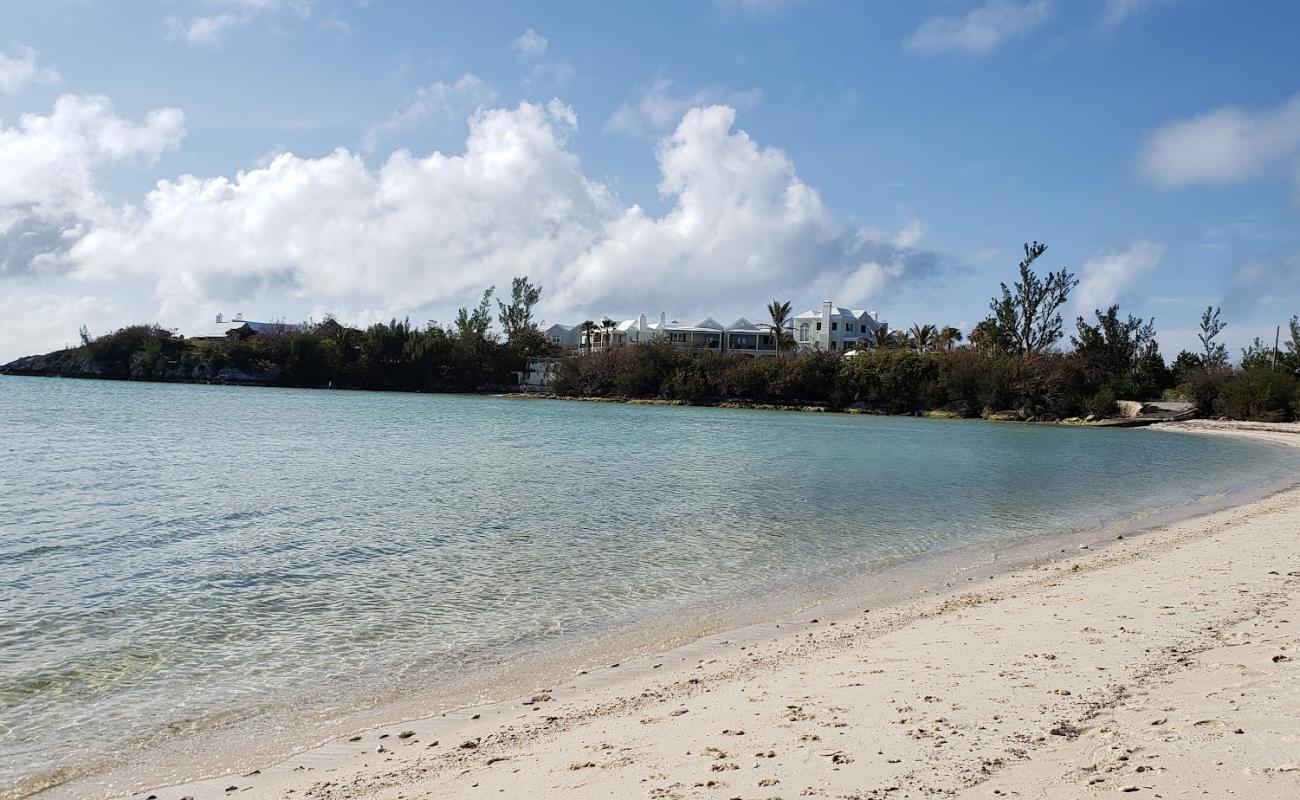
567 336
832 328
238 325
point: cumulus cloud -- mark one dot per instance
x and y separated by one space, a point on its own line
529 46
1107 278
441 99
981 30
1223 146
49 161
20 68
210 30
420 235
656 108
743 226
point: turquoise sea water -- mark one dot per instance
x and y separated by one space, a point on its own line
173 557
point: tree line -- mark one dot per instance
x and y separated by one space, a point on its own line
1015 361
1012 363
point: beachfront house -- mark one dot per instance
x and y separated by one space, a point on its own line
835 329
741 336
830 328
568 337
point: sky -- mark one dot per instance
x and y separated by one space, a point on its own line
166 160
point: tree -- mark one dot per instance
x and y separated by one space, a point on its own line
608 325
1215 355
779 313
987 337
947 337
1259 355
1028 316
1291 358
883 338
588 329
923 337
1184 365
517 315
1121 355
472 326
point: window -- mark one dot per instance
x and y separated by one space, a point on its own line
677 337
835 326
848 327
803 332
833 343
819 326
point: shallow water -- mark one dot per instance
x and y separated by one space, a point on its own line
177 557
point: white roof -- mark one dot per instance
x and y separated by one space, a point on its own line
836 311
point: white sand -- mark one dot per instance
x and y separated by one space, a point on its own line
1166 665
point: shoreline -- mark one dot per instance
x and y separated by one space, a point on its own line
612 695
819 407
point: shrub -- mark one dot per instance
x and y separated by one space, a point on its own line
1202 388
697 379
1257 393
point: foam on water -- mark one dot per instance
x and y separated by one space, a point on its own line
177 560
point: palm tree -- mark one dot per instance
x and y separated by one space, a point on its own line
779 313
608 325
923 336
588 331
883 338
947 338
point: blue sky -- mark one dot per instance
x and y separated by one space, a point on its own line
290 158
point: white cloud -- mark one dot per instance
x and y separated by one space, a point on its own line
529 46
49 161
981 30
1107 278
654 109
1223 146
421 235
210 30
742 227
20 68
438 100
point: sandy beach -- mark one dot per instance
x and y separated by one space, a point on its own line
1162 664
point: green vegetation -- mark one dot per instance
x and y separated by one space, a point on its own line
392 355
1009 366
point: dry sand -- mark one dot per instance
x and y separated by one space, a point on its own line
1165 664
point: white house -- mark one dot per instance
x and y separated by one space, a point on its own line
834 328
566 336
741 336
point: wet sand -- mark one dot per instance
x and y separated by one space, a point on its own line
1164 664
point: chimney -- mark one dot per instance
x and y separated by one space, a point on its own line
825 338
220 318
640 324
663 319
